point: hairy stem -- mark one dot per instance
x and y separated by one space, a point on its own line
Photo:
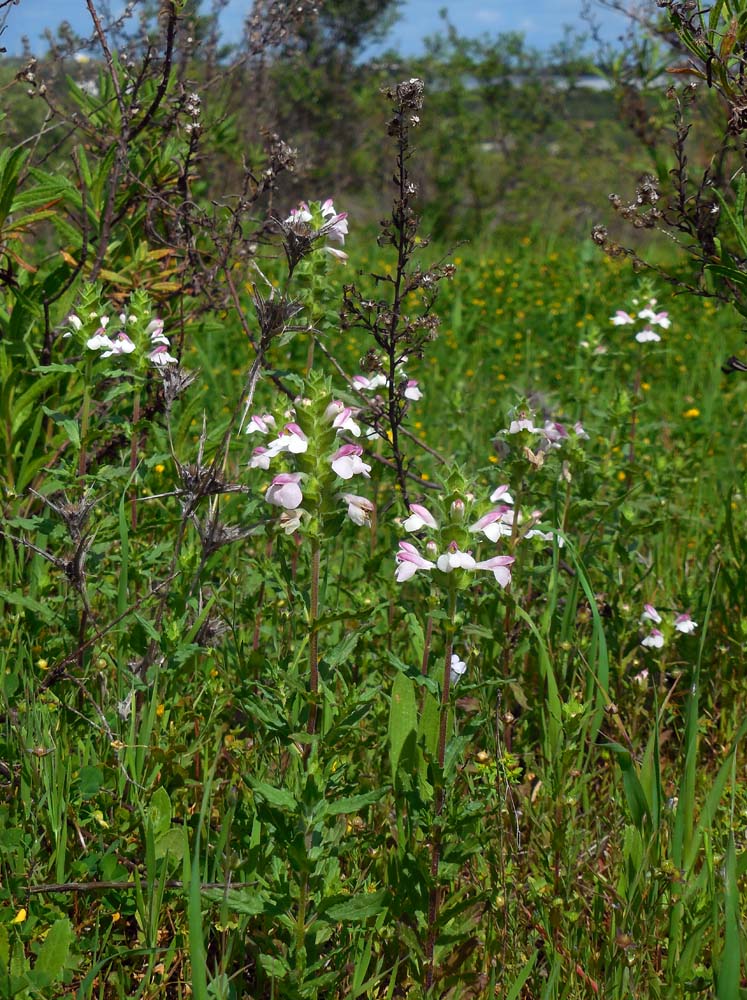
133 451
435 893
313 641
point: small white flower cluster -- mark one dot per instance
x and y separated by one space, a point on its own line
656 639
535 442
192 107
492 525
551 435
157 343
362 383
650 318
286 490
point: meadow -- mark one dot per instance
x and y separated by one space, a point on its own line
372 617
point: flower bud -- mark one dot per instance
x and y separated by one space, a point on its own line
457 510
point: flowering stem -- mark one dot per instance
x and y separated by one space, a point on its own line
85 419
133 451
634 416
301 922
435 893
508 618
260 603
426 656
427 645
566 507
313 641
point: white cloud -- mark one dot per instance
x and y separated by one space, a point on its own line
488 15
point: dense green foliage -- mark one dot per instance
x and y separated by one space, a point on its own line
251 744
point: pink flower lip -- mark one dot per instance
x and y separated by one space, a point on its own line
490 518
347 450
501 492
684 623
410 561
419 518
651 614
497 561
284 491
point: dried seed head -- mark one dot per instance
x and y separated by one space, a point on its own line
410 93
175 381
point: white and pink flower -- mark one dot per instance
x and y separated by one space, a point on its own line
495 524
578 429
260 459
292 439
621 318
647 336
299 215
160 356
344 422
658 319
360 509
457 669
684 623
454 558
650 614
260 424
419 518
364 384
409 561
523 424
335 223
121 344
654 640
555 433
346 462
500 567
501 493
284 491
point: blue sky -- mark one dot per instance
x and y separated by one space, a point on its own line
541 21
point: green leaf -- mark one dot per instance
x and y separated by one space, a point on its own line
634 794
274 967
278 797
53 954
356 908
343 649
68 424
429 723
353 803
518 984
171 843
90 781
403 721
21 601
54 369
413 672
731 959
159 812
249 902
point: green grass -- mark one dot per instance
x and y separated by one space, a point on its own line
159 785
